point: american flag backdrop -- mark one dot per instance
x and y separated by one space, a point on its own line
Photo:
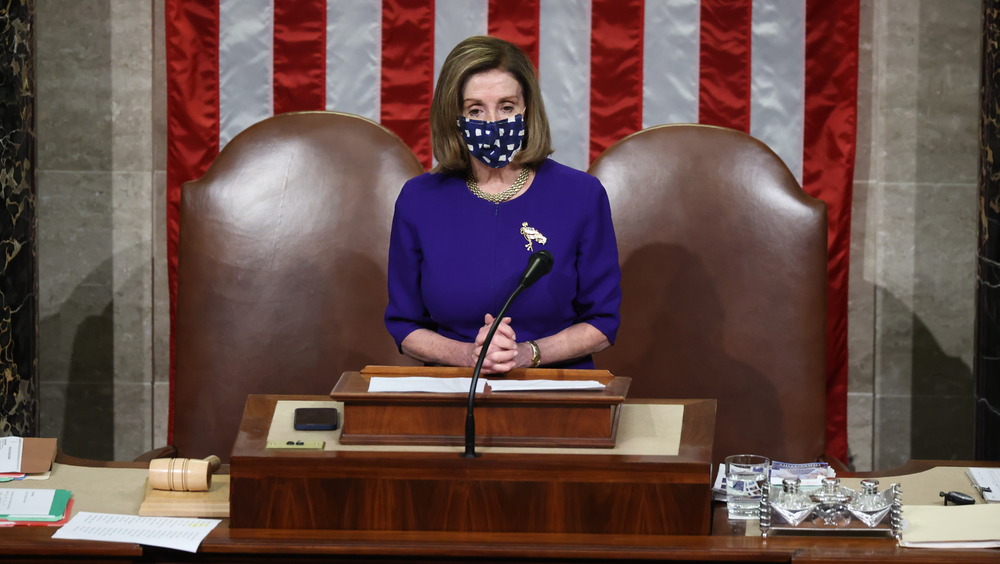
784 71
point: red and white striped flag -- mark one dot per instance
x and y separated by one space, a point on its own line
784 71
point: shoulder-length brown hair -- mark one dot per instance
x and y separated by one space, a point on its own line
475 55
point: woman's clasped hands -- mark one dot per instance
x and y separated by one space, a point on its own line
503 354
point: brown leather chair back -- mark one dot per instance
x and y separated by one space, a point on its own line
281 279
724 282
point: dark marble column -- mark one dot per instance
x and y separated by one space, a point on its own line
18 259
986 361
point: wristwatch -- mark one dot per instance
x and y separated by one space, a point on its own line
536 354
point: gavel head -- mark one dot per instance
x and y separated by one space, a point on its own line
182 474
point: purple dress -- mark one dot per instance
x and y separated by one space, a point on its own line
454 257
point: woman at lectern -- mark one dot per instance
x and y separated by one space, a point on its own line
462 233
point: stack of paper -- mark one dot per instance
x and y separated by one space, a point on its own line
424 384
810 474
34 507
954 526
430 384
987 481
26 458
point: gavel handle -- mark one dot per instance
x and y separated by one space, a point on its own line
214 463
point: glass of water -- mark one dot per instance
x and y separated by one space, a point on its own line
746 475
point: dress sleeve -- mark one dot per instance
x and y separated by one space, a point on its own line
406 311
599 295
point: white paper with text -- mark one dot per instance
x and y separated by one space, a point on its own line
987 481
543 385
26 501
167 532
423 384
10 454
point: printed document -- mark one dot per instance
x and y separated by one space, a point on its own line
987 481
424 384
10 454
168 532
543 385
18 501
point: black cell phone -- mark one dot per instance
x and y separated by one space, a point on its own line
316 418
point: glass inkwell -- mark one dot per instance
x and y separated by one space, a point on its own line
791 503
870 505
832 501
830 509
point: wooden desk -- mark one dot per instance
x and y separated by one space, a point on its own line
288 546
511 490
727 543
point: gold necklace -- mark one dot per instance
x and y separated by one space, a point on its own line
507 194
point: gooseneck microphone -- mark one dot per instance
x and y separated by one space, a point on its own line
539 264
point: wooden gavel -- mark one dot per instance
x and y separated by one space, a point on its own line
183 474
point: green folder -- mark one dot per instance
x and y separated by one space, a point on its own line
56 512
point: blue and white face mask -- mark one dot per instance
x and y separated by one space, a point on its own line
494 143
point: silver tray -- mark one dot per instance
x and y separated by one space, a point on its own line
891 526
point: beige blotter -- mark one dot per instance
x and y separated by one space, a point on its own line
924 488
644 429
961 523
213 503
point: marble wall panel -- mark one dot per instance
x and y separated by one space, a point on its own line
986 363
159 87
76 356
896 69
892 417
75 240
942 427
894 276
892 234
161 290
863 160
132 275
893 352
133 424
861 339
133 184
161 293
88 428
861 294
74 85
860 417
158 415
948 58
861 291
918 233
944 304
944 258
131 79
96 271
18 254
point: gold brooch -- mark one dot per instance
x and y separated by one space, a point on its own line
531 235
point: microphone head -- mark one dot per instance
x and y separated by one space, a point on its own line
539 264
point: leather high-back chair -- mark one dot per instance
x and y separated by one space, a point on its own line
724 281
281 278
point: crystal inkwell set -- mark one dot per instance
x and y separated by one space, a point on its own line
832 509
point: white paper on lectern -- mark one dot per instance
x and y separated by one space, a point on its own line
424 384
543 385
168 532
